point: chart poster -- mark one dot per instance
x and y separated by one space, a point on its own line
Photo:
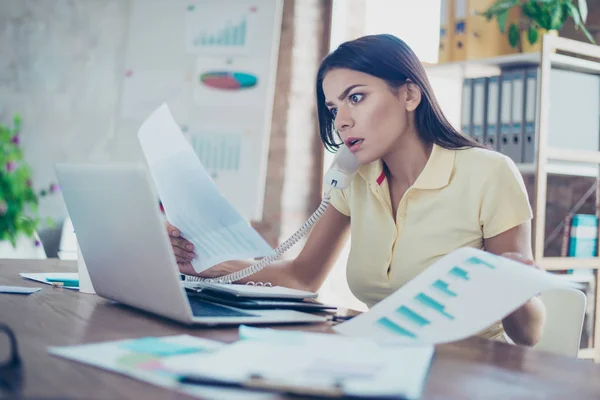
214 64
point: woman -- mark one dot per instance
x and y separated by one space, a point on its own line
422 190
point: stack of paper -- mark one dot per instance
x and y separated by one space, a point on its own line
144 359
360 367
298 360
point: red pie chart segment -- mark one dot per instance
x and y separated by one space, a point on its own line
226 80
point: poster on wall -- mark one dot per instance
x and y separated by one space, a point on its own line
229 82
219 27
214 64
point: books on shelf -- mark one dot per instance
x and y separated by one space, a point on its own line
579 238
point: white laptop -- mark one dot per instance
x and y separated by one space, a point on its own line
121 232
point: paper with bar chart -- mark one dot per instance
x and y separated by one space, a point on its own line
459 296
223 28
191 200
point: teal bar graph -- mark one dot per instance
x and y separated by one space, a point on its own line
231 35
442 286
479 261
413 316
395 328
460 273
433 304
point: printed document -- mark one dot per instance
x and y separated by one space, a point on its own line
191 199
459 296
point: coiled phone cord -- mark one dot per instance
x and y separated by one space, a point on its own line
282 248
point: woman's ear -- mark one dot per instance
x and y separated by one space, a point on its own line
413 96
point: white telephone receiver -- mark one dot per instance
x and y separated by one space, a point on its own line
338 176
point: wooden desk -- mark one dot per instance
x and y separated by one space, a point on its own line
473 368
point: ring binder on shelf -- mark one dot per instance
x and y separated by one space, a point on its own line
467 107
445 54
517 131
505 113
531 94
478 109
490 136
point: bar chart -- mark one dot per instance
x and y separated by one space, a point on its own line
460 295
230 35
429 305
222 28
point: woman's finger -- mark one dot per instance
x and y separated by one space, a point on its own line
182 255
171 230
182 244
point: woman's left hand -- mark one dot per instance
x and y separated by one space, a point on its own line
525 325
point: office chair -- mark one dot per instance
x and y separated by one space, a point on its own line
565 311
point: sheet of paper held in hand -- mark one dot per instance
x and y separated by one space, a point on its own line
459 296
191 199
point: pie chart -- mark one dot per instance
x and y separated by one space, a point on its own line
226 80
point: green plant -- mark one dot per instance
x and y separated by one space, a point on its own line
18 199
538 14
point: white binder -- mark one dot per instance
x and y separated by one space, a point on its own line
506 99
531 94
515 146
491 112
478 110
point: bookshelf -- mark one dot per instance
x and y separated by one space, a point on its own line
556 54
549 58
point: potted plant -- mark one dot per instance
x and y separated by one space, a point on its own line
538 17
19 218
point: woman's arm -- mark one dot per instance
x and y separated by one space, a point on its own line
307 271
525 325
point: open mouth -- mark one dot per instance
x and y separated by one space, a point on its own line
352 142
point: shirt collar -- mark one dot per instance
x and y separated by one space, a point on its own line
435 175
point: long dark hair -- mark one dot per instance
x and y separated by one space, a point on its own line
391 59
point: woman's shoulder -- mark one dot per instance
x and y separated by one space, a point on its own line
481 162
482 157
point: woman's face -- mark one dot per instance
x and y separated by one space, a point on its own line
368 115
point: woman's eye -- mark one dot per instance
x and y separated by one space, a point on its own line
356 97
333 111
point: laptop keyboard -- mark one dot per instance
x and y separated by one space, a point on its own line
202 308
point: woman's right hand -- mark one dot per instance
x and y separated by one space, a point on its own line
184 254
182 248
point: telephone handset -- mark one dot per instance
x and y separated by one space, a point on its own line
338 176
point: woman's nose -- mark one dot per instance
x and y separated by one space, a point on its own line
343 119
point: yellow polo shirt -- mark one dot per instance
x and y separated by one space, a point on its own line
459 199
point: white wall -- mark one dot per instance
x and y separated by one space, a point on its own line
60 68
